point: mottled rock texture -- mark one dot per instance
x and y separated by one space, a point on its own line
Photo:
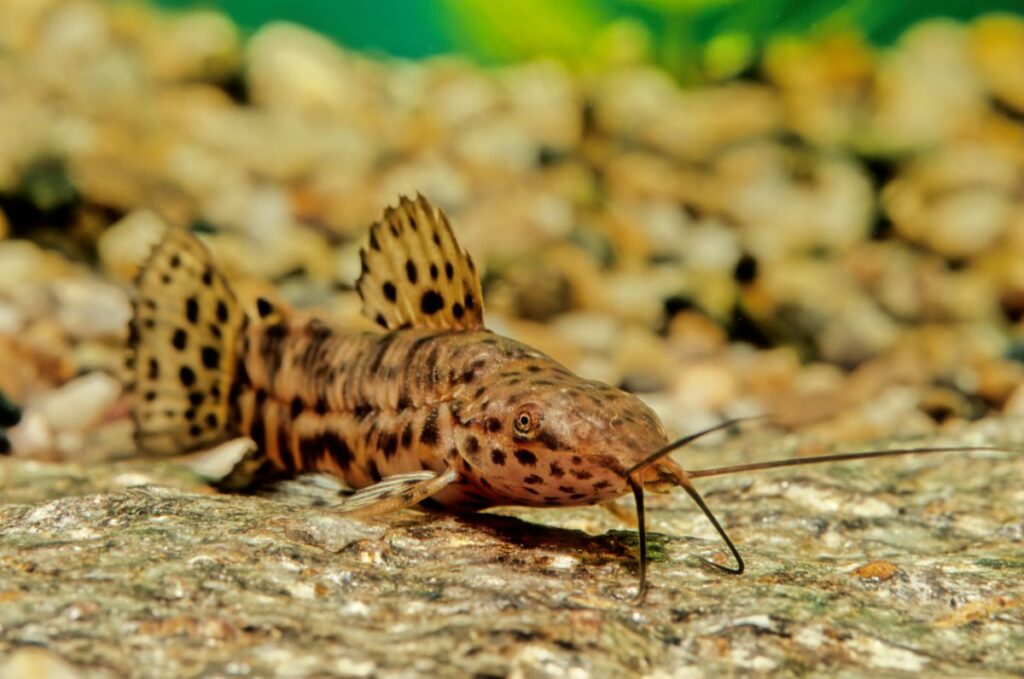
137 568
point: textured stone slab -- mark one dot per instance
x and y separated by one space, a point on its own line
864 569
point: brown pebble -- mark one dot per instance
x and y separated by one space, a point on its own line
877 570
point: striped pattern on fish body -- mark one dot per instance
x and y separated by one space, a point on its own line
495 421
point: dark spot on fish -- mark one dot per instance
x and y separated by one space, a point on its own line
271 349
222 311
533 480
195 430
433 272
407 435
493 424
211 357
549 440
567 489
388 444
196 398
498 456
449 270
601 485
208 276
257 431
525 457
321 406
428 436
431 372
187 376
371 469
179 339
154 369
469 301
581 474
297 407
431 302
192 310
556 470
381 321
310 450
458 311
373 239
472 445
211 421
389 291
264 307
175 261
577 496
410 271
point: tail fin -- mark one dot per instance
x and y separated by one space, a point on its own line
182 348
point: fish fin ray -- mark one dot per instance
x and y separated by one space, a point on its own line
415 274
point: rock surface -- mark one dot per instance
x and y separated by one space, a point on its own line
137 568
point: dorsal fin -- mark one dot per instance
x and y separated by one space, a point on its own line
415 274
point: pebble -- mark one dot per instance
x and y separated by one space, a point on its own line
998 40
92 309
32 437
705 386
24 265
79 404
959 225
12 319
37 663
125 245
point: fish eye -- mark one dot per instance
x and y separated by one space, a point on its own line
527 420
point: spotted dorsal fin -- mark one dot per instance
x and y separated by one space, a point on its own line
415 274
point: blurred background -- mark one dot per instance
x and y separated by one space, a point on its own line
812 207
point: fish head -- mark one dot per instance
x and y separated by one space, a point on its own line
543 435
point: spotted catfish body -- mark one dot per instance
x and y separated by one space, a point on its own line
435 410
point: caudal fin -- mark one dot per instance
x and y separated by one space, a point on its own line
182 348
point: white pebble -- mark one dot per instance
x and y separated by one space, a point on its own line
36 662
90 309
125 245
80 403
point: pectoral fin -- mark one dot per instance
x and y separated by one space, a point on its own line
396 492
